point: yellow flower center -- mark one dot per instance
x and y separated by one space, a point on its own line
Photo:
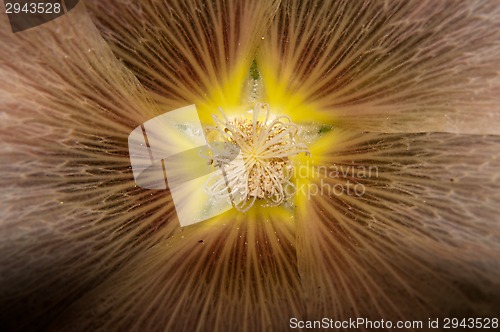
253 155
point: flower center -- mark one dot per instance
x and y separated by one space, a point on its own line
253 156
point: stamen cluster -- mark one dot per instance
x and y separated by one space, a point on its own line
253 155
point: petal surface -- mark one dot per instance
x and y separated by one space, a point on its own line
236 272
400 226
70 212
187 52
398 66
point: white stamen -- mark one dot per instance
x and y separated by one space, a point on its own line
254 158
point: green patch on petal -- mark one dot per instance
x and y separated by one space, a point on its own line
254 70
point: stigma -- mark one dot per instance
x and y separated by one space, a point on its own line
253 155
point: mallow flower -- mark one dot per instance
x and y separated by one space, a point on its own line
369 137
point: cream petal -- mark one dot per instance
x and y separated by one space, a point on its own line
401 226
398 66
187 51
70 212
234 273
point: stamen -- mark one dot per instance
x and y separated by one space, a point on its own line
254 159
